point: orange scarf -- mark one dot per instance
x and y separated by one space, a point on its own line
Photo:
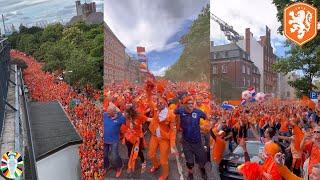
134 155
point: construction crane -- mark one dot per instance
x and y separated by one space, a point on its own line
228 30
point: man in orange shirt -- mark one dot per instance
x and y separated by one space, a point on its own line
218 148
163 133
312 147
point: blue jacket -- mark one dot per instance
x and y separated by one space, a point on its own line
112 127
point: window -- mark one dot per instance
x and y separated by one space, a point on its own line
243 69
248 70
244 81
214 69
249 82
224 68
254 80
218 55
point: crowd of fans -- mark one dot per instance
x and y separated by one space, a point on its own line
289 130
286 128
82 111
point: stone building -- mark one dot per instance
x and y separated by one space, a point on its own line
261 53
87 12
232 65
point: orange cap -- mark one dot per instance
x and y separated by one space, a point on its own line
271 148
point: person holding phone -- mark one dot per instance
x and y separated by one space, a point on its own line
311 144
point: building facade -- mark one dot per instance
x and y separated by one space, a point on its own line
284 89
261 53
118 65
133 73
86 8
232 65
114 57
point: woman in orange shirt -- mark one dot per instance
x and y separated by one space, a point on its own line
133 137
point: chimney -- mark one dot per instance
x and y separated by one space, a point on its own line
268 32
247 40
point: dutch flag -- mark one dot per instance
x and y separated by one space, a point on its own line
227 106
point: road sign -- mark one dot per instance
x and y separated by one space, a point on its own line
314 95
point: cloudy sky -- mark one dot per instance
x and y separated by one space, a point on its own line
155 24
247 14
30 12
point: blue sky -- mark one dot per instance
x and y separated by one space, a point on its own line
157 25
29 12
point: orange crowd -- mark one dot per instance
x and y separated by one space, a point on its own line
85 116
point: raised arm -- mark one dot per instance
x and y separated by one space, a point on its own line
254 132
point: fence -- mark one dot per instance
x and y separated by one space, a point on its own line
4 77
29 149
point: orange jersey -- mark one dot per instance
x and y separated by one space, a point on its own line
284 126
134 133
270 167
218 146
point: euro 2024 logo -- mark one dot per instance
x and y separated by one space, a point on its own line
300 22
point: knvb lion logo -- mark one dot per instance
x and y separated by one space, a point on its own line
300 22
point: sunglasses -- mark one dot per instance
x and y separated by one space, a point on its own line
190 103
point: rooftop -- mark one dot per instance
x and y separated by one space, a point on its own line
51 129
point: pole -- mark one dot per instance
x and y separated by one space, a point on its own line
4 26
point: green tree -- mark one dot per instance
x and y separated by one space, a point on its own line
305 58
52 32
27 43
194 62
57 55
77 48
74 35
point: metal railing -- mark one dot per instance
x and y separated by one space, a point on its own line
30 144
4 78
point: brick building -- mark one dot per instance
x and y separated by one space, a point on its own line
261 53
132 67
232 65
118 65
114 57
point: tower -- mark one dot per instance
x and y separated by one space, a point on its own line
78 8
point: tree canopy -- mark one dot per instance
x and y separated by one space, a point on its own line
194 62
76 50
305 58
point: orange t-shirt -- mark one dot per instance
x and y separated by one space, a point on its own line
270 167
284 126
218 149
314 152
262 122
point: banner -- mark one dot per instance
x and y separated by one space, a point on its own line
141 51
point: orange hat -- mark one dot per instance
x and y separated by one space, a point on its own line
271 148
251 170
170 95
161 86
186 99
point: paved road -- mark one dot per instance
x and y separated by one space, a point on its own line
174 173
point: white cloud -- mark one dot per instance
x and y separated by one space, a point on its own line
160 72
148 23
245 14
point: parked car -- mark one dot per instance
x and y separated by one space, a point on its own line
230 162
